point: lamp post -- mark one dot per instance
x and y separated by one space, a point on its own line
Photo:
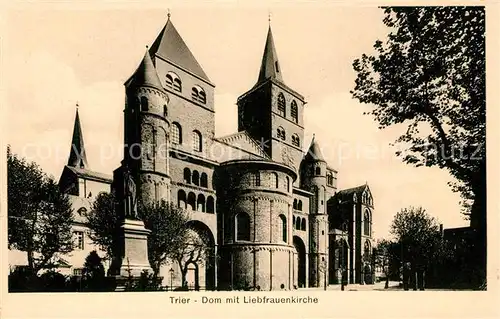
171 278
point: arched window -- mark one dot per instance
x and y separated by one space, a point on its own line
181 198
295 140
204 180
174 82
210 205
318 170
176 133
287 184
201 203
191 201
303 224
297 223
165 111
281 105
295 204
275 180
293 221
255 179
198 94
242 226
82 211
144 104
367 223
196 140
283 228
294 112
329 179
367 248
196 178
299 206
281 133
187 175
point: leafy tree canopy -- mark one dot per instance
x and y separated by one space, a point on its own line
429 74
40 217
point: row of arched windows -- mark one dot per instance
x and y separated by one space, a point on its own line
299 223
294 111
176 137
242 227
255 180
196 203
195 178
297 204
281 134
174 82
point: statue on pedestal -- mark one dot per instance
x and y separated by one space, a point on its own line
130 194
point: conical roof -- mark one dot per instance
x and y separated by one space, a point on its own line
270 67
314 152
77 156
145 74
170 46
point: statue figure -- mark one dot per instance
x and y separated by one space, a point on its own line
130 194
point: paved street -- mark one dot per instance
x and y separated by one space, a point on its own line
393 285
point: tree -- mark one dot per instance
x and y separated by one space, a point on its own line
430 75
419 237
93 272
103 223
193 250
387 258
168 226
39 215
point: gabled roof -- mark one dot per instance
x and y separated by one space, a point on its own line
270 67
243 141
353 190
88 174
145 74
314 152
77 156
347 194
171 47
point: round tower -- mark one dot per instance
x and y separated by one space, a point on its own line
147 132
313 179
255 219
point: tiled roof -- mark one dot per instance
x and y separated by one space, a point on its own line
314 152
170 46
145 74
82 172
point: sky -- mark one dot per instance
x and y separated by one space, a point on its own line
66 55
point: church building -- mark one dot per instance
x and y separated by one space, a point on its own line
264 198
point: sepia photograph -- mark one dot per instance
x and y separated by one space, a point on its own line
213 148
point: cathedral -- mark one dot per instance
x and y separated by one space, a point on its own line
264 198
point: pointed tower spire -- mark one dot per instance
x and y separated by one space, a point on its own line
314 152
77 156
270 67
145 74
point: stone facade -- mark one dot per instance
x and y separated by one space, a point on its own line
269 207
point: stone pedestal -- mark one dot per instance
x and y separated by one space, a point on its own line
135 249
